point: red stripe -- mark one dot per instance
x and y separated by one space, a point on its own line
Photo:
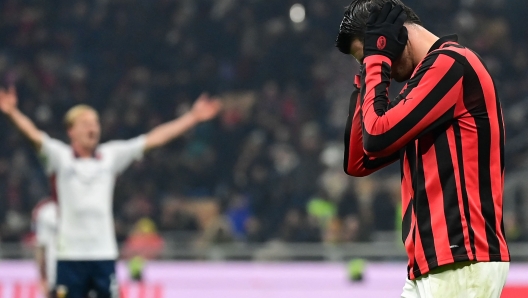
124 291
33 290
158 291
419 252
452 148
468 130
355 145
17 290
435 196
409 245
497 185
142 291
407 194
407 189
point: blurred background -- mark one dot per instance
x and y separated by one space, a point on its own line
264 181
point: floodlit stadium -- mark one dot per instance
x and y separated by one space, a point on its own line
193 148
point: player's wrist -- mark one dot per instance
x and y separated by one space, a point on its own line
193 116
377 59
12 112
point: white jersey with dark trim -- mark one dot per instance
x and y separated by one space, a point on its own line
84 189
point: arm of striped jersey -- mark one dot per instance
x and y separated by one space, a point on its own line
356 162
427 102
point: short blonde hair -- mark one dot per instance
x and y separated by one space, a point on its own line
75 112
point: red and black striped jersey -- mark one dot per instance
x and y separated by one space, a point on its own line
447 130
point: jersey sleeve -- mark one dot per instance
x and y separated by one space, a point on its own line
51 153
124 153
356 162
427 102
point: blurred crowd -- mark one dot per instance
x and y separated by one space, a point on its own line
270 167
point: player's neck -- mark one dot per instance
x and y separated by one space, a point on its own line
82 152
421 41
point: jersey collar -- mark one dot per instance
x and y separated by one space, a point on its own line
95 154
443 40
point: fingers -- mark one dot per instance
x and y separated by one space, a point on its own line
373 15
203 96
396 14
385 11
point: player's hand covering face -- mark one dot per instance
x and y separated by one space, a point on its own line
385 34
8 100
206 107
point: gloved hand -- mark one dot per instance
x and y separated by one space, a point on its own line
385 34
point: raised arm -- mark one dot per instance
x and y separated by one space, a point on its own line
356 162
8 105
427 102
205 108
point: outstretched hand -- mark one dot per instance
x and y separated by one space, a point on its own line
206 108
8 100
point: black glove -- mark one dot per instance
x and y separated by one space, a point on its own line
385 34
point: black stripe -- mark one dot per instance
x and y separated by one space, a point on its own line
413 82
423 211
406 222
474 99
348 129
502 132
446 173
463 187
499 114
439 124
410 151
416 268
363 71
381 96
378 162
376 143
402 164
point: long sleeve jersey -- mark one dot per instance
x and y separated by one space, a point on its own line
447 130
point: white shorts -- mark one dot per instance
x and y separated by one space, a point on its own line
460 280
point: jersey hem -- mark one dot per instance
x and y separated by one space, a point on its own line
481 259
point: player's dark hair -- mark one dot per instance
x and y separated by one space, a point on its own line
355 21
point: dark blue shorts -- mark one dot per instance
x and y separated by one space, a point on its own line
75 279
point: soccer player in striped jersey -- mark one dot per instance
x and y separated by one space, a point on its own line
83 174
446 129
45 220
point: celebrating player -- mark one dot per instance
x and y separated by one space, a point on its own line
84 174
446 128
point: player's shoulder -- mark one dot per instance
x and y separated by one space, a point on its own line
451 49
47 140
117 143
